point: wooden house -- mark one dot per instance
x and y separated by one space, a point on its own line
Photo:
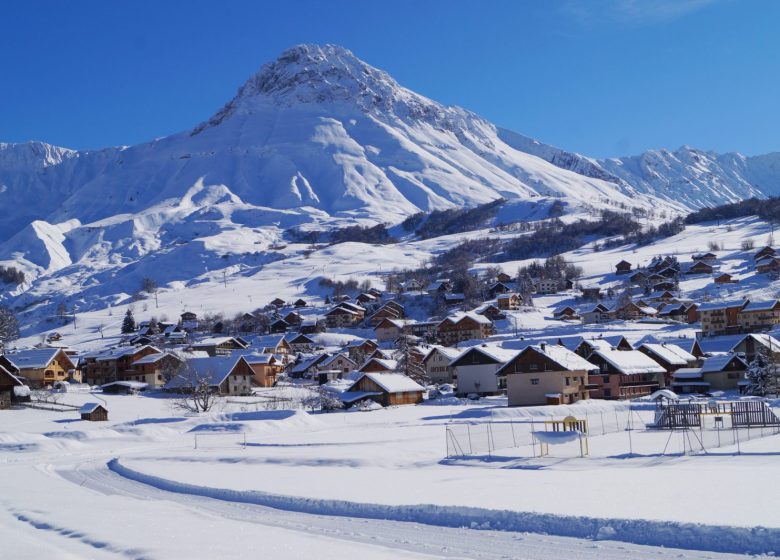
378 365
40 367
764 252
725 278
293 318
585 347
154 369
565 313
599 313
509 302
220 346
669 356
623 374
10 386
225 375
345 314
279 326
545 287
387 389
339 362
301 342
93 412
498 288
591 294
751 344
723 372
503 277
767 264
365 299
623 267
462 327
390 329
358 350
298 303
639 277
700 267
265 368
278 302
633 312
709 258
492 312
546 374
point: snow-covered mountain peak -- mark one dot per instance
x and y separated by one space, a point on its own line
332 76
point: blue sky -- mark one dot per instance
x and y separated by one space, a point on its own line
602 77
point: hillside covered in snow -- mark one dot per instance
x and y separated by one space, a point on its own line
316 140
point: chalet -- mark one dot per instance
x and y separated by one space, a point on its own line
633 312
265 368
278 302
708 258
475 370
154 369
387 311
387 389
719 318
345 314
503 277
599 313
758 315
220 346
718 373
54 337
390 329
462 327
293 318
375 292
671 272
298 303
93 412
340 298
40 367
454 298
365 299
226 375
752 344
623 267
623 374
423 329
438 287
359 349
277 345
682 312
300 342
725 278
509 302
585 347
378 365
543 286
638 277
492 312
123 387
498 288
279 326
767 264
670 357
10 388
565 313
700 267
546 374
591 294
306 367
437 364
340 362
411 285
174 333
311 326
188 321
764 252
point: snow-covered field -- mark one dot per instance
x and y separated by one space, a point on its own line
372 485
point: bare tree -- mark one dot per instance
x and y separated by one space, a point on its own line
196 393
405 362
9 326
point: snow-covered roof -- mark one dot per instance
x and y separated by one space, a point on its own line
446 351
33 359
497 353
670 353
89 407
215 369
687 373
721 305
253 358
565 358
765 340
760 305
122 351
135 385
154 358
630 362
458 317
217 341
718 363
392 382
388 364
332 358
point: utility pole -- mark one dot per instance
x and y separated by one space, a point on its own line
224 278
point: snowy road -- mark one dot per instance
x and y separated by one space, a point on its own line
407 539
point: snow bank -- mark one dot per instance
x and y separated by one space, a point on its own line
716 538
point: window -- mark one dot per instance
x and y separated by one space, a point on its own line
533 367
607 392
534 381
568 381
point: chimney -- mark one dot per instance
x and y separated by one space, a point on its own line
543 345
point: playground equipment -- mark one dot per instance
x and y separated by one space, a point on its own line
672 415
557 432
